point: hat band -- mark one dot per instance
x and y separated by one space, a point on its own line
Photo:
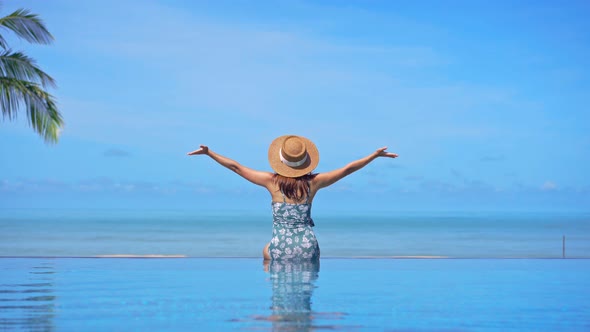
292 163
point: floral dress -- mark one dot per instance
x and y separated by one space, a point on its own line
292 236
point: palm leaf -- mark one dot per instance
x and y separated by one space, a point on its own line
40 106
19 66
26 26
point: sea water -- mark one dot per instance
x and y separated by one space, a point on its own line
81 233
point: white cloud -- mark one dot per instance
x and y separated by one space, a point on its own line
101 185
116 152
548 186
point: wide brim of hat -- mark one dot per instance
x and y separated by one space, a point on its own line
313 158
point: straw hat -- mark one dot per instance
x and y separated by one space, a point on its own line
293 156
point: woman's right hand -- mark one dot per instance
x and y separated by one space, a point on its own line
203 150
382 153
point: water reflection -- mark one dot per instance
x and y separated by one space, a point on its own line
292 284
27 301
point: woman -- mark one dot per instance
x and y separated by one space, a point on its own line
292 188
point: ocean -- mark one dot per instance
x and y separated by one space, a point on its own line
82 233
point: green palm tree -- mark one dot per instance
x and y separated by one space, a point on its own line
22 82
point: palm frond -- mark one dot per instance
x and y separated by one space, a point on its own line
18 65
3 43
9 97
26 26
40 106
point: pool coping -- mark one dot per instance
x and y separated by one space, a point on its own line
322 258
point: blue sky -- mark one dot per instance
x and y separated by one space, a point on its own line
485 102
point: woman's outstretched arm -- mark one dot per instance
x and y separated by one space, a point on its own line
254 176
325 179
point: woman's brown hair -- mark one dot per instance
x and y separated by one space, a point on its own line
294 188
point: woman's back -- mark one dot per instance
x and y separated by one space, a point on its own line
297 190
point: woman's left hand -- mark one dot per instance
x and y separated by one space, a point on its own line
382 153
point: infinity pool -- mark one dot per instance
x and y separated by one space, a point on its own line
217 294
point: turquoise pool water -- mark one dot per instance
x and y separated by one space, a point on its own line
218 294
